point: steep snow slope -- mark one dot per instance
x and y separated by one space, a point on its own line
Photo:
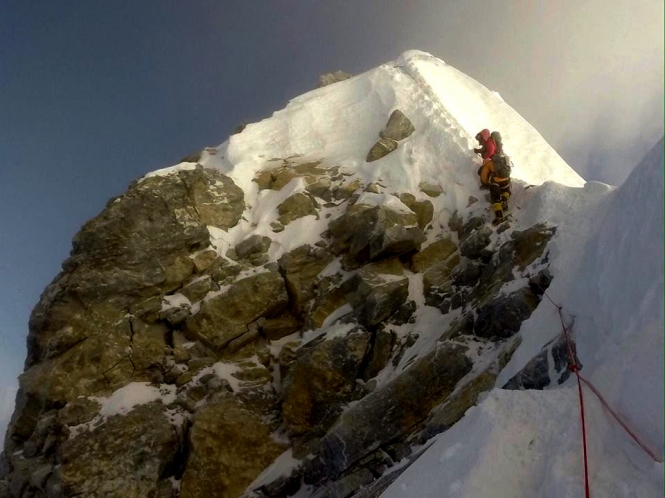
528 443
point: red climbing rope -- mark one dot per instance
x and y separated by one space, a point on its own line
575 368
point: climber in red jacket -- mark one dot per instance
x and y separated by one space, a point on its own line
487 146
494 177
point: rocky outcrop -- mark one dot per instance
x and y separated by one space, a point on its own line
397 128
125 456
229 445
370 233
301 268
380 289
381 149
399 406
296 206
334 77
321 379
326 352
225 317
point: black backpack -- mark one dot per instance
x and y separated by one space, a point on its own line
498 141
502 165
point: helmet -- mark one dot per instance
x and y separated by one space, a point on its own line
485 134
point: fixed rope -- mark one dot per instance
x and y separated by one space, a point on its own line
574 367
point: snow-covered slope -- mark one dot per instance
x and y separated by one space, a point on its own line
339 123
609 279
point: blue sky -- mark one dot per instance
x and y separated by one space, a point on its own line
95 94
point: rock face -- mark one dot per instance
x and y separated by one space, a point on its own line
230 446
322 377
370 233
381 288
399 406
160 365
227 316
126 456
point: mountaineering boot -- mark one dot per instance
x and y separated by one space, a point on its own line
498 213
504 200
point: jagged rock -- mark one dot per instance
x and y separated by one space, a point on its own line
434 253
398 127
79 411
175 315
381 350
335 77
123 457
43 429
324 305
230 445
465 229
322 377
346 486
277 227
222 270
255 244
148 310
296 206
199 288
474 246
240 342
287 356
381 288
65 338
321 188
181 355
450 412
279 177
399 405
518 253
148 342
431 189
300 268
503 316
424 209
276 328
381 149
402 347
203 260
468 274
537 373
346 190
437 280
472 201
370 233
86 369
404 314
224 317
138 247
